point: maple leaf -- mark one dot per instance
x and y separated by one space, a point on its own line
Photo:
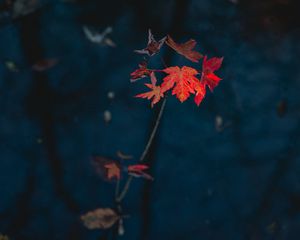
138 171
200 93
185 49
152 46
208 68
141 72
184 79
113 170
155 93
101 218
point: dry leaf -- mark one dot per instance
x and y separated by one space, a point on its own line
113 170
185 49
153 46
123 156
99 38
107 168
101 218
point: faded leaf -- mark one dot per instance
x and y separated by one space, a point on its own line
108 169
99 38
185 49
282 108
152 46
101 218
10 65
124 156
24 7
113 170
44 64
107 116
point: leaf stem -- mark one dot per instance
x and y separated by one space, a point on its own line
145 152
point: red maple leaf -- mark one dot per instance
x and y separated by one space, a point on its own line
113 170
153 46
185 49
200 93
141 72
184 79
208 68
138 171
155 92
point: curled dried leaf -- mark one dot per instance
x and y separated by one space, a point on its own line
101 218
153 46
124 156
185 49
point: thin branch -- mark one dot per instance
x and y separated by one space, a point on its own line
145 152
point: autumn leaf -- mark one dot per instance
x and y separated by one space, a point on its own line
208 68
200 93
113 170
138 171
137 167
152 46
184 79
156 94
185 49
141 72
101 218
108 169
44 64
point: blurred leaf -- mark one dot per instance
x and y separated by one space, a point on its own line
282 108
10 65
123 156
113 170
101 218
44 64
24 7
138 171
107 116
107 168
3 237
99 38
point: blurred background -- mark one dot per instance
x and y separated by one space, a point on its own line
229 169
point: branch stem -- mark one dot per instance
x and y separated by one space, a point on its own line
145 152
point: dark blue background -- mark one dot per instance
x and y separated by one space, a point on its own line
241 183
